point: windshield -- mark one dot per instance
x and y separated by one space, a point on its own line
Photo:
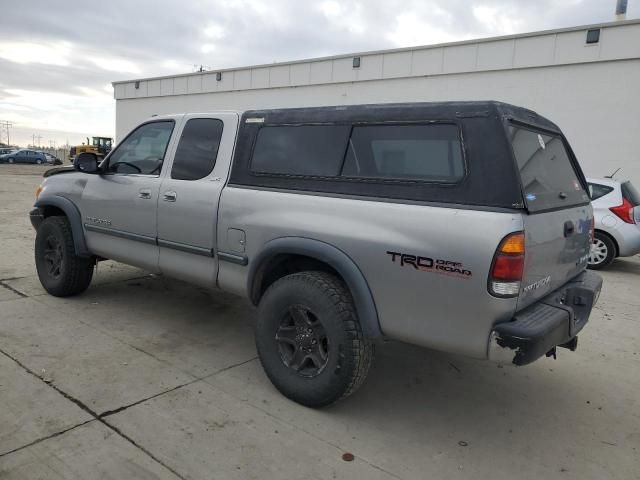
548 177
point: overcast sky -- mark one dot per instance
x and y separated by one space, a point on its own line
58 59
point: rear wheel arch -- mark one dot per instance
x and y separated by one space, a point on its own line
56 205
287 255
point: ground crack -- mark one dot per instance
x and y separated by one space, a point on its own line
53 435
125 407
9 287
94 415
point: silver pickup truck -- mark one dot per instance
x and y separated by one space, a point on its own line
463 227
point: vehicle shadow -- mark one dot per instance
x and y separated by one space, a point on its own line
625 265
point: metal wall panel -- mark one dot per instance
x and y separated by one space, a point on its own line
427 61
495 55
153 88
321 71
397 65
279 76
260 78
461 58
534 51
194 84
300 73
166 86
180 85
241 79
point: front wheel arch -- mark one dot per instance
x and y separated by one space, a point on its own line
53 205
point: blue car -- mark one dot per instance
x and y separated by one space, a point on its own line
24 156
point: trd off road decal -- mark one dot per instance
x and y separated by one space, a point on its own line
428 264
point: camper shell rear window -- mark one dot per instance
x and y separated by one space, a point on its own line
549 179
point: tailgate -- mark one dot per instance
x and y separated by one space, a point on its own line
558 224
557 248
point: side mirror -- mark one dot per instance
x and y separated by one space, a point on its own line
86 163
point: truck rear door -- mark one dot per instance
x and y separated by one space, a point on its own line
189 196
558 223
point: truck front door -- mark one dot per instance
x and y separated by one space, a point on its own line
119 206
189 196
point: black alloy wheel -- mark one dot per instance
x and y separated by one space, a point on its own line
53 256
302 341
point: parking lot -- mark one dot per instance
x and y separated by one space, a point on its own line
147 377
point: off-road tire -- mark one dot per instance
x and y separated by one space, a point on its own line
349 352
74 273
605 243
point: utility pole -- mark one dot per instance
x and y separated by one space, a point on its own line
7 125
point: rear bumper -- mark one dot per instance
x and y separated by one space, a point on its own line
553 321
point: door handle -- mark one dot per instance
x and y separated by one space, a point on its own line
569 228
144 193
169 196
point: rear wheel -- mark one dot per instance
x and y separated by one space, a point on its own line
603 251
309 339
60 271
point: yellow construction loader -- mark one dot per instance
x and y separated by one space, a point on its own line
99 146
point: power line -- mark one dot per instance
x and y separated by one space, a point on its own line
33 138
7 126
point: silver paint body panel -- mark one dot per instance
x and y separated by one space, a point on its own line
436 310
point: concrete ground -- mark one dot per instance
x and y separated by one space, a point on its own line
147 377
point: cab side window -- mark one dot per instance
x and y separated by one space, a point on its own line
198 148
143 151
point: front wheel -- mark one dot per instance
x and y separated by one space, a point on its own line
309 339
10 160
38 161
61 272
602 253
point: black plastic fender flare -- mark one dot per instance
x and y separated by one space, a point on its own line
75 220
335 258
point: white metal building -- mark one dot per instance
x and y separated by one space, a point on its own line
586 79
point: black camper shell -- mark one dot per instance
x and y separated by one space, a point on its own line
490 178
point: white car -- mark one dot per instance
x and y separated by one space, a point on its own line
617 221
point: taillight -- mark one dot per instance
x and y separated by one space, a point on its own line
507 266
624 211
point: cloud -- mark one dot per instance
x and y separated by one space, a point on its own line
27 52
54 72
